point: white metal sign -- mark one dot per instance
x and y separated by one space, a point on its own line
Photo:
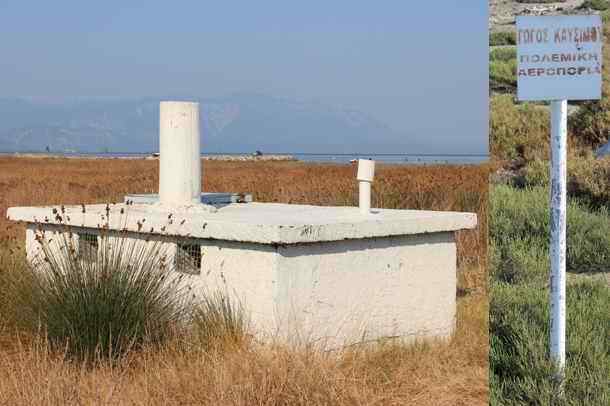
559 57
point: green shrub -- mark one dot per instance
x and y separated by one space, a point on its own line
588 178
502 38
600 5
503 75
522 131
503 69
588 240
503 54
536 173
520 370
590 125
119 299
520 218
540 1
523 261
518 131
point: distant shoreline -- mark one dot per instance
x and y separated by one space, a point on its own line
134 156
409 159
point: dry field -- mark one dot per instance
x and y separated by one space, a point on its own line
455 373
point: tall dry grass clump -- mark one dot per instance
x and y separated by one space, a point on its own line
100 303
218 321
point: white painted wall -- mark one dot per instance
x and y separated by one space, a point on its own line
329 293
344 292
55 236
338 293
247 273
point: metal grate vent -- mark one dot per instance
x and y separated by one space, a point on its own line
87 246
188 258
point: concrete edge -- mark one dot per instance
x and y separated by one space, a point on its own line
204 226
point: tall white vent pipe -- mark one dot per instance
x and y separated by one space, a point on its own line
179 149
366 173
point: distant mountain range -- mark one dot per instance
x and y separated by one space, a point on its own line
237 123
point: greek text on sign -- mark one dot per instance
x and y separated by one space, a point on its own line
559 57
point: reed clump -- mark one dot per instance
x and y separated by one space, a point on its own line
219 320
98 304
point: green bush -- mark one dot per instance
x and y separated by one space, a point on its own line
588 178
590 125
503 69
521 372
536 173
521 218
521 131
503 54
502 38
540 1
503 75
523 261
600 5
518 131
104 306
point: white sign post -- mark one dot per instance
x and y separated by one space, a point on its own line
559 59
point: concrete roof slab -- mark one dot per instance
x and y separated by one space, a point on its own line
264 223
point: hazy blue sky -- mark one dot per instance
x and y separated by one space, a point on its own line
420 67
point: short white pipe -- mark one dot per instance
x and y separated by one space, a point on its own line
364 197
179 149
366 173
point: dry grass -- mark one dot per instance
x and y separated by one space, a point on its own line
436 374
454 373
36 181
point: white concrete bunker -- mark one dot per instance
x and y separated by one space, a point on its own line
306 274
